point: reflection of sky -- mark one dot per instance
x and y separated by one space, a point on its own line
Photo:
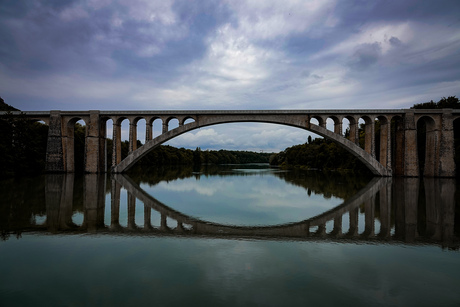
107 271
259 199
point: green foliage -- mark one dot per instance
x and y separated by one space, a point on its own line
6 107
450 102
22 146
320 154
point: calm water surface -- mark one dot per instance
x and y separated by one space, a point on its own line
231 235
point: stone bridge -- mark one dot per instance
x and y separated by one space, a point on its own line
397 146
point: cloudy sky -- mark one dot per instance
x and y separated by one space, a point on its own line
235 54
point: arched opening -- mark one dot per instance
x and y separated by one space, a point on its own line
157 127
361 133
172 123
330 124
120 143
74 148
134 136
317 120
352 132
334 124
106 145
188 120
141 132
427 145
346 128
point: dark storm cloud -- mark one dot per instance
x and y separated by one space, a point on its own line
52 36
365 56
224 54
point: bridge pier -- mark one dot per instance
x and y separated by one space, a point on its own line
54 150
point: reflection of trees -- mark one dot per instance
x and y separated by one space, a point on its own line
328 184
21 200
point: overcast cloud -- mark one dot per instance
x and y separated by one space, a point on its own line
235 54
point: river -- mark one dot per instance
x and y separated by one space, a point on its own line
233 235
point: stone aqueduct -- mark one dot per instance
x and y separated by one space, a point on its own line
397 154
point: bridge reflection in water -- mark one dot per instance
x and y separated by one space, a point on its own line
403 218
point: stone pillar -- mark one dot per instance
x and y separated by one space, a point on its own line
353 230
92 149
432 208
337 230
165 127
54 148
103 147
338 127
411 167
446 150
91 202
385 211
131 211
323 122
180 227
399 148
398 198
115 205
431 149
354 131
68 142
411 188
369 142
385 144
116 153
132 136
163 223
447 201
369 219
147 218
53 188
65 212
148 131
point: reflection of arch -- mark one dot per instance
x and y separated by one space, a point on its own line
398 206
299 122
297 229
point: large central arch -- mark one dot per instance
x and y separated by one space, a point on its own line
298 121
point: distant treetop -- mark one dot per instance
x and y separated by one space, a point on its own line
450 102
6 107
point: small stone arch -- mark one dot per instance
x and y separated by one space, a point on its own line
337 124
168 121
69 142
186 118
320 119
